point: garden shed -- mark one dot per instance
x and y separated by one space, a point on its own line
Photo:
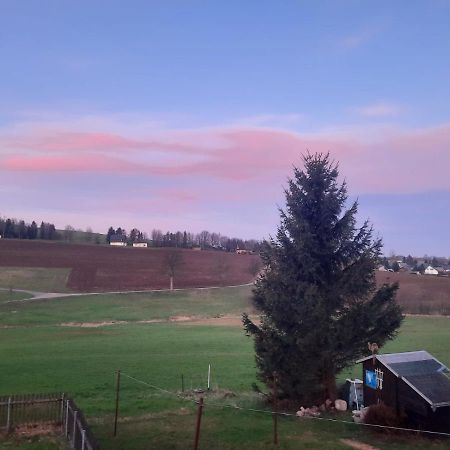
412 383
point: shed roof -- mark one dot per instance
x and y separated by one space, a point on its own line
422 372
117 238
420 358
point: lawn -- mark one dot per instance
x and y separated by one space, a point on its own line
39 356
129 307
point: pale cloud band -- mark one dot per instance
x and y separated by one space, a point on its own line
397 161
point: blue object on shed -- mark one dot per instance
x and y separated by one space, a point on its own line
371 379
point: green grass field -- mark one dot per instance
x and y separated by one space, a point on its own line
34 278
128 307
7 296
38 355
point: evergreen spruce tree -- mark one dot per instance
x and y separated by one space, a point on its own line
317 296
111 232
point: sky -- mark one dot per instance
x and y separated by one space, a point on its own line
191 114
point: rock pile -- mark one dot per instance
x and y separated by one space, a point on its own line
328 405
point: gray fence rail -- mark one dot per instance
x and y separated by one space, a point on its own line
54 409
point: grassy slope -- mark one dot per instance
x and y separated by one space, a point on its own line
34 278
129 307
83 361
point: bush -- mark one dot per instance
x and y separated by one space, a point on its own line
382 414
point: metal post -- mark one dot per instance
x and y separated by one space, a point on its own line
75 414
199 420
182 383
67 417
209 375
8 418
117 403
274 413
83 438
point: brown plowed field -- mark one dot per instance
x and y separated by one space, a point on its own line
420 294
103 268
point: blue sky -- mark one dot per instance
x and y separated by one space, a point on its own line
190 114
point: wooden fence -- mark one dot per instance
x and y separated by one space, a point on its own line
51 409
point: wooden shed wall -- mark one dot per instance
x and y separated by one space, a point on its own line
388 394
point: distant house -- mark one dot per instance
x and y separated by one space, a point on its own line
412 383
441 270
430 270
118 240
404 267
140 244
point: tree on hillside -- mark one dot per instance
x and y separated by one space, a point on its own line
68 233
317 295
173 260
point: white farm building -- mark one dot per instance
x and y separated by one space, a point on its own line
430 271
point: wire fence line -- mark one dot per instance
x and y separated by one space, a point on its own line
281 413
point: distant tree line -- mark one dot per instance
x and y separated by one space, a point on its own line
17 229
183 239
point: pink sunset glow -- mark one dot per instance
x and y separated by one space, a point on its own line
239 154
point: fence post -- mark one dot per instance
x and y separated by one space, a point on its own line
83 438
182 383
275 407
199 420
67 417
8 417
209 376
117 402
62 409
75 414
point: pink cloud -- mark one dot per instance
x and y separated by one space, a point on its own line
401 161
380 109
93 163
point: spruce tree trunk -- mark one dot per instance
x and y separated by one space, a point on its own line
329 381
330 386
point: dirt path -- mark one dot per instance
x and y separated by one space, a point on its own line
225 321
358 445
